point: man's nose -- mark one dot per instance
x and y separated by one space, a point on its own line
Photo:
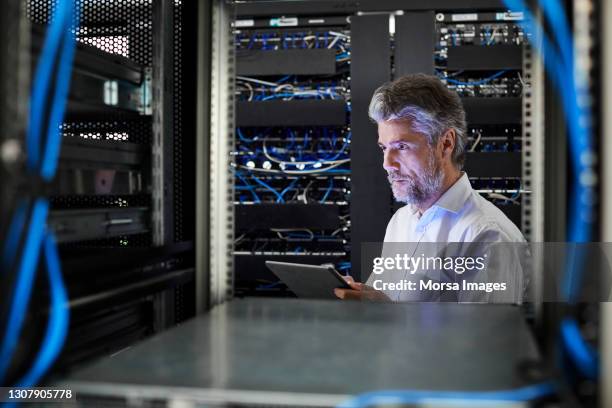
389 162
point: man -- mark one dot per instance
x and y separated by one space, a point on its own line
422 135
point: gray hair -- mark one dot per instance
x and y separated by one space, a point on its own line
429 106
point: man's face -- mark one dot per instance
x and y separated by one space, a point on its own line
413 169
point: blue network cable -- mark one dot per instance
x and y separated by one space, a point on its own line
291 139
342 55
474 83
296 96
289 187
344 266
58 35
580 143
483 398
251 188
279 198
579 125
328 191
23 285
243 138
347 140
578 117
58 108
57 327
313 159
582 353
14 234
268 286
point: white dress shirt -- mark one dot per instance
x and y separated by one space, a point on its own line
461 215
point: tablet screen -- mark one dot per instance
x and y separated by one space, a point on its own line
308 281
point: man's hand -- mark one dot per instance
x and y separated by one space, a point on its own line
359 291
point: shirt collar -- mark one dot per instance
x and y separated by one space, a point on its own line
455 197
452 200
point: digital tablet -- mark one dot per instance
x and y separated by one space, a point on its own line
308 281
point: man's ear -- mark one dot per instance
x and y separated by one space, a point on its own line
446 144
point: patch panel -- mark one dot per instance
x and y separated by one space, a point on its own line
291 87
482 62
296 177
276 39
485 34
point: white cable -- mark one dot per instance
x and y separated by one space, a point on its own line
315 171
311 162
283 86
473 148
334 41
492 38
257 81
333 234
307 39
250 88
337 34
525 84
279 232
502 197
304 196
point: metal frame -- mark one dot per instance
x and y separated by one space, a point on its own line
163 146
533 146
592 30
309 7
203 156
162 149
533 163
606 192
222 118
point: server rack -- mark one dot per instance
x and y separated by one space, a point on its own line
292 146
480 56
123 201
478 50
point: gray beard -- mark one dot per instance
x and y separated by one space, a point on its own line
424 187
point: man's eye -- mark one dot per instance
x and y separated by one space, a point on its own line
402 146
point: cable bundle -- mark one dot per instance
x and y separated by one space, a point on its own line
27 235
571 81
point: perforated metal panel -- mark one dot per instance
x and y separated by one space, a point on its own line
125 27
131 29
118 26
114 128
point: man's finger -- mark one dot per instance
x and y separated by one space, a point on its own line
356 285
339 293
347 294
349 279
